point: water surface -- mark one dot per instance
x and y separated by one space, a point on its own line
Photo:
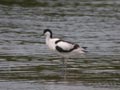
26 63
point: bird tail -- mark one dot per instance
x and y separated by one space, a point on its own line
82 50
85 49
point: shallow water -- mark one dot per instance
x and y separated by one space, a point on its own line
27 64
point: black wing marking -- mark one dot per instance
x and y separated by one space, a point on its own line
65 51
63 41
57 41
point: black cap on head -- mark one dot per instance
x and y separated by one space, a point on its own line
48 30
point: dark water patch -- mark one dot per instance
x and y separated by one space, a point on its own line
58 3
25 3
88 70
16 58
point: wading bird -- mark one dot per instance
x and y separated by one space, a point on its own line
63 48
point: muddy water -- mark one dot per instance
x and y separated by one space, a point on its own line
27 64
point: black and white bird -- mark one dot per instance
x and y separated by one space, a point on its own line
63 48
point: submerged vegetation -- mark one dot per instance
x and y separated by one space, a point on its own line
23 2
53 3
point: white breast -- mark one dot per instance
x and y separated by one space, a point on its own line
51 43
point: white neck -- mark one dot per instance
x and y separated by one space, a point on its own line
47 38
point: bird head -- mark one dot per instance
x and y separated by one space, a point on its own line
47 32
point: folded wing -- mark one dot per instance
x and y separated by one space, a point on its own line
63 46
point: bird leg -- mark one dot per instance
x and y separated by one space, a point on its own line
64 69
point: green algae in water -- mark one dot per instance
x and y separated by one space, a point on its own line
25 3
